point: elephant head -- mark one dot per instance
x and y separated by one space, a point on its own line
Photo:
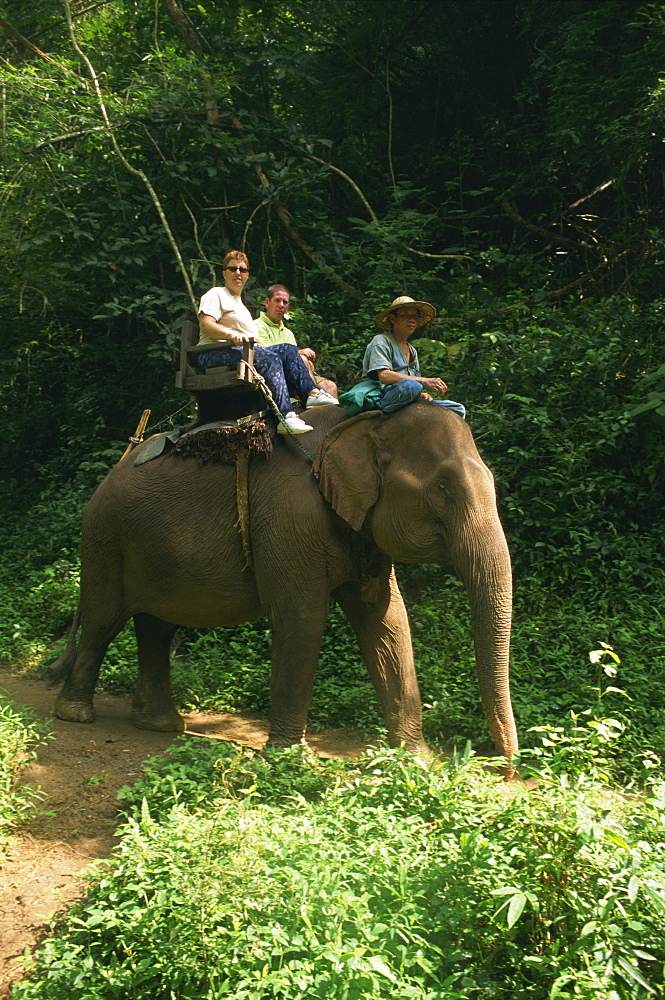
415 482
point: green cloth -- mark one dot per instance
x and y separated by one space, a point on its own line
363 396
268 333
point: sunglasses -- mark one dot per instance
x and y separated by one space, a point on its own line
237 267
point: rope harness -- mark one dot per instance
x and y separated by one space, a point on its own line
242 468
259 381
242 505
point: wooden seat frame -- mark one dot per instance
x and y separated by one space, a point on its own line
233 388
192 379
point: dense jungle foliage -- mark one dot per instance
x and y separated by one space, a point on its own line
505 160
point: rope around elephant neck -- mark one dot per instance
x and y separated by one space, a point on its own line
259 380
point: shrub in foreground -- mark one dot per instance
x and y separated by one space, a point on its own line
19 732
391 879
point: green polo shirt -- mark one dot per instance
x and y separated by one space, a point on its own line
268 333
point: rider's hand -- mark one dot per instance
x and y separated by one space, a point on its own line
435 385
239 338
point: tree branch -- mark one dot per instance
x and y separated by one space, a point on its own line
136 172
195 228
373 216
390 130
556 293
285 218
14 33
63 138
596 190
546 233
604 265
331 166
440 256
192 40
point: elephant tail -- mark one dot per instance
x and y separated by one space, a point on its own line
59 669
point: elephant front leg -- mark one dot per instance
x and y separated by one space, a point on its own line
384 636
296 644
153 706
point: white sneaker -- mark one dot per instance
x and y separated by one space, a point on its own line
293 425
320 397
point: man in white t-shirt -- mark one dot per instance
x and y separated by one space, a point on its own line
226 324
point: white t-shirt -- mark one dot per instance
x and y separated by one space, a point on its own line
229 310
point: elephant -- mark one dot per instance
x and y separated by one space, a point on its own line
161 544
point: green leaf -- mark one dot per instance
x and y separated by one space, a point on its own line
515 909
380 966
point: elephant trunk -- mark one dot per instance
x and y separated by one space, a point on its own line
485 570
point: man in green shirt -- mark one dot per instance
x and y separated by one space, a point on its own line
270 330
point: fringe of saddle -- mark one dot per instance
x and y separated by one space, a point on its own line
224 444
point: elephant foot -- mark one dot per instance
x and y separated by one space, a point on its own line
167 722
72 710
505 771
282 742
415 746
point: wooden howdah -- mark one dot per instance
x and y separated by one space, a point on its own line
221 393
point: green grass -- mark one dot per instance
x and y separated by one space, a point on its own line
382 878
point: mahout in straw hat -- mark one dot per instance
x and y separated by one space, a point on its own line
426 311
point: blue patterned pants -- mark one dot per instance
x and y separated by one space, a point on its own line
280 365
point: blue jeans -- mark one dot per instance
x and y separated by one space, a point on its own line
407 391
280 365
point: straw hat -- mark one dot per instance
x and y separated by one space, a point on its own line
426 311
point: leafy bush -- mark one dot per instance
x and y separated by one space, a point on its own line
556 402
394 880
39 575
19 732
193 774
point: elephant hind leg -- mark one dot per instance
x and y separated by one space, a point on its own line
153 706
75 701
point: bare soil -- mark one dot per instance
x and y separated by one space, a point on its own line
79 772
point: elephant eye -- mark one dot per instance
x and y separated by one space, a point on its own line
443 485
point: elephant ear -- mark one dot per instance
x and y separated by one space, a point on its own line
347 466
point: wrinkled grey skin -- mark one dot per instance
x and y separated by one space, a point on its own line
160 545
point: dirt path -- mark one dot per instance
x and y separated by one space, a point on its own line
79 771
